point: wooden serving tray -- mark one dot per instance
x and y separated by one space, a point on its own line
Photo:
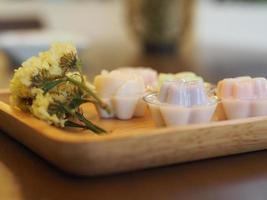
130 145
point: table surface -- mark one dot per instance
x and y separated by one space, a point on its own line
233 177
24 175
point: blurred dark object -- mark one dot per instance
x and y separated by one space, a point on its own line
20 23
161 26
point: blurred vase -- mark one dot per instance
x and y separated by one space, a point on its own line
162 26
4 70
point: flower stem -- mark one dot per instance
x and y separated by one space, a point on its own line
89 124
90 92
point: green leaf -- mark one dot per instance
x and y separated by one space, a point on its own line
73 124
64 109
76 102
91 93
89 124
51 84
79 65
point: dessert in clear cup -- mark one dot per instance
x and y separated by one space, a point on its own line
122 92
243 97
181 102
187 76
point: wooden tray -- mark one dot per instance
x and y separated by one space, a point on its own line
130 145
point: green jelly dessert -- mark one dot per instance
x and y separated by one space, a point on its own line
187 76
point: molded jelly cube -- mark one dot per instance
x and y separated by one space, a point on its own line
260 87
123 93
244 97
243 89
181 102
196 93
183 93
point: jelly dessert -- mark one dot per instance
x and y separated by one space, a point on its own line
149 75
181 102
243 97
123 92
188 76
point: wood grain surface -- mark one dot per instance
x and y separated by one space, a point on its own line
131 145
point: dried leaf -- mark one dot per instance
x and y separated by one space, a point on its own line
48 85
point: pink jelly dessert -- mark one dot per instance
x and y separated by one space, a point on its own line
181 102
243 97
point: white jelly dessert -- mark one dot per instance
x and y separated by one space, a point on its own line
123 92
149 75
243 97
181 102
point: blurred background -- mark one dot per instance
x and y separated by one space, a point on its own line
214 38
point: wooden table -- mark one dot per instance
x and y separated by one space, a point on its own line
25 176
234 177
